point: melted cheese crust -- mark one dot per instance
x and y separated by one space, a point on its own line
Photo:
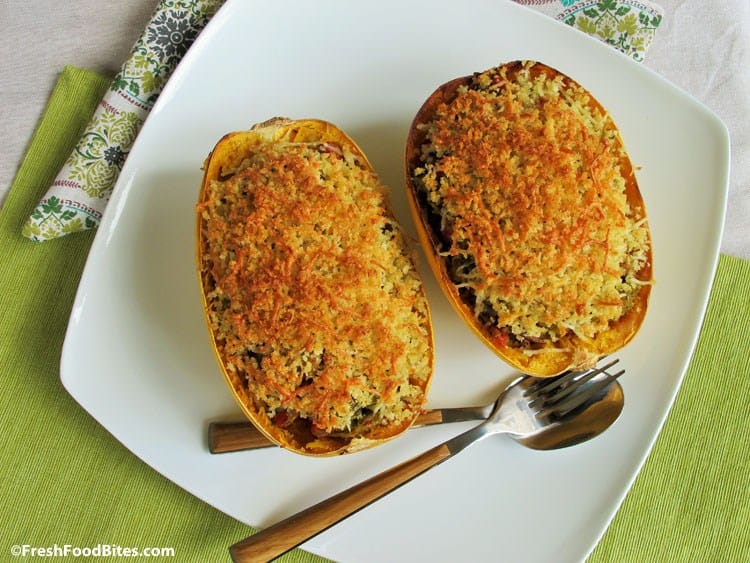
315 296
523 174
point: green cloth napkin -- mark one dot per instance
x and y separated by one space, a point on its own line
67 481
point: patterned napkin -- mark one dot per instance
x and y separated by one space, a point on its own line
80 192
627 25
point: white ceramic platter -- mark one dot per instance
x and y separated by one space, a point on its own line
137 355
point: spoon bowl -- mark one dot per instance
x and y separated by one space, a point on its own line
587 421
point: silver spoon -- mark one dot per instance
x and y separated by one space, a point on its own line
543 414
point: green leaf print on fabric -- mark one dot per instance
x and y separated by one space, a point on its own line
97 159
76 199
52 219
627 25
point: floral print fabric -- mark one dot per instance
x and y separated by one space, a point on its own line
626 25
79 194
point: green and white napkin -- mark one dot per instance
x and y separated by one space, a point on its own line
79 194
626 25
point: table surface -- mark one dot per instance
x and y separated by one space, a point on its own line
702 47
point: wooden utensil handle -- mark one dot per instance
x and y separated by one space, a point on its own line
288 534
226 437
235 436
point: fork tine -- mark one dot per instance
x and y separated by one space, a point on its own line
547 385
568 390
543 386
569 403
564 385
562 391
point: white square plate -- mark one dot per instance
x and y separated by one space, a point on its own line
137 355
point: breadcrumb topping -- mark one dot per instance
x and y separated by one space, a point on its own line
314 295
522 176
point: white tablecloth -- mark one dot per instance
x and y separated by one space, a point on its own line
702 46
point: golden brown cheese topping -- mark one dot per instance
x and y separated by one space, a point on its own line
314 299
524 183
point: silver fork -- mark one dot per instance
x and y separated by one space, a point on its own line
539 413
233 436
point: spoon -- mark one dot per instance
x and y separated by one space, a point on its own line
542 414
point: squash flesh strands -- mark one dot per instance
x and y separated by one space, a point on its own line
528 208
316 312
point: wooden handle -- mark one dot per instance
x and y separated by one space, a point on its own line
226 437
288 534
235 436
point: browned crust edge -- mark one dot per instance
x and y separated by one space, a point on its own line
544 364
228 153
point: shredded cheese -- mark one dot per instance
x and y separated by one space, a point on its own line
316 298
524 174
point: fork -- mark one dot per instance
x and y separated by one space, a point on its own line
227 437
535 412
